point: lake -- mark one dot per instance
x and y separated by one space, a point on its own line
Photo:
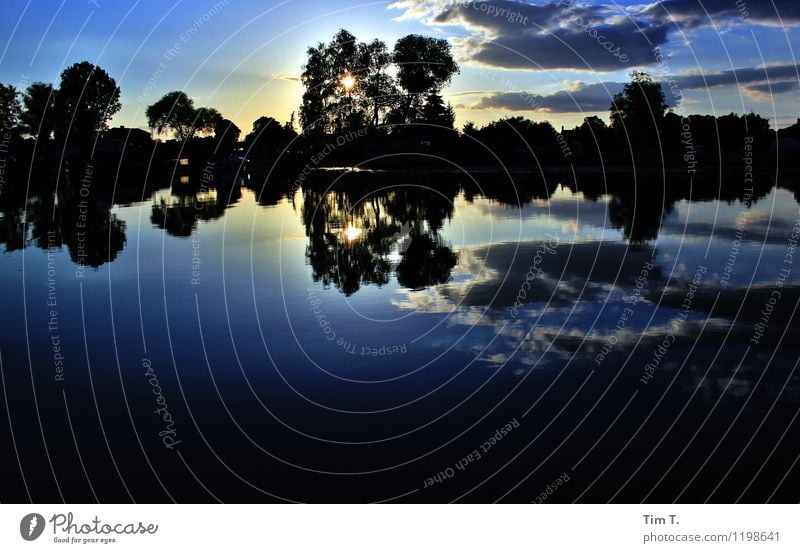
410 336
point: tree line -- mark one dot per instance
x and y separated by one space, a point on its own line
395 94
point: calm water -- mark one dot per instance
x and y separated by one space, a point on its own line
382 335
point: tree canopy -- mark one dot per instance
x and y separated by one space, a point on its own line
638 111
175 112
348 84
38 117
87 99
9 106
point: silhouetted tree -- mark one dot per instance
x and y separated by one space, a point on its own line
596 137
346 83
226 135
268 137
379 88
315 79
38 117
638 111
517 135
175 112
424 66
435 112
9 106
87 99
207 120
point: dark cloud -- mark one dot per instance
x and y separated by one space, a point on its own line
548 36
561 34
748 75
774 88
757 82
585 98
695 13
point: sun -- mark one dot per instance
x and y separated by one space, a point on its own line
348 82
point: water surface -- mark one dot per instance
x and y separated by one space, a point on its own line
380 335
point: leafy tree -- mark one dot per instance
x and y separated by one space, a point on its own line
38 117
435 112
207 120
268 136
639 110
518 131
87 99
315 79
226 135
347 85
175 112
378 87
424 66
596 137
9 106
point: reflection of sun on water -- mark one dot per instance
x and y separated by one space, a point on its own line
352 233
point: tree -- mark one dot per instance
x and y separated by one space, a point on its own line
518 133
378 87
87 99
435 112
226 135
596 137
346 84
424 66
38 117
332 77
268 137
638 110
175 112
314 77
9 106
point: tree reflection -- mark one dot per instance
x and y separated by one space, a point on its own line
93 234
85 225
358 238
179 212
640 219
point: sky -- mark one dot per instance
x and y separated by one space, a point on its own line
559 60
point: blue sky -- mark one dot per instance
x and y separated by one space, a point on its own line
557 60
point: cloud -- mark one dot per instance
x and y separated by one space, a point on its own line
566 34
760 83
584 98
742 76
288 78
555 35
694 13
764 92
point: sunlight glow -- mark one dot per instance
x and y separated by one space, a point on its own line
352 233
348 82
